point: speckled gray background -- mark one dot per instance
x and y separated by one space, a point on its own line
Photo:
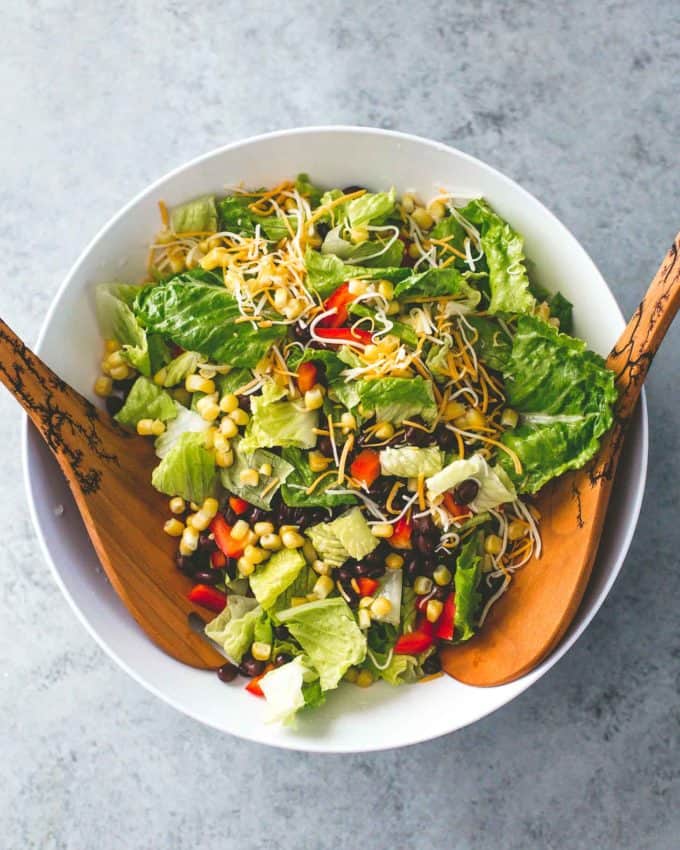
580 106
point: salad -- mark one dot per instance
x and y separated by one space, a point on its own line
353 398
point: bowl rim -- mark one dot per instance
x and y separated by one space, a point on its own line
286 742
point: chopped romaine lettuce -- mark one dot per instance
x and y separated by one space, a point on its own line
178 369
294 489
411 461
436 282
495 487
396 399
329 360
565 396
197 216
273 577
301 586
146 401
401 670
403 332
185 421
117 321
282 689
370 208
391 585
279 423
325 272
348 536
201 317
466 581
330 637
493 343
234 627
187 470
305 187
267 486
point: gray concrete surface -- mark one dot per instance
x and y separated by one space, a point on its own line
581 106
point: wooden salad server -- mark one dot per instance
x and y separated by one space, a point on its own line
528 621
109 472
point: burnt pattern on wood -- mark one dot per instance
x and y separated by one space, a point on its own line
62 432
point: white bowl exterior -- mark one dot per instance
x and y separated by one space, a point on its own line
352 719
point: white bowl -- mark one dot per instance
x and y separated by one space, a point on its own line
353 719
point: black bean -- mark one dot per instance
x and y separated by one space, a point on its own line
300 332
230 515
441 593
349 190
322 229
301 517
363 568
432 664
323 444
282 658
124 386
207 576
244 403
250 666
230 568
352 596
344 575
227 672
417 437
256 515
411 565
422 543
427 566
281 633
206 543
446 439
377 571
114 403
423 525
185 565
466 491
317 515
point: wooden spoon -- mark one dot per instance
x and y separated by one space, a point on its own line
528 621
109 472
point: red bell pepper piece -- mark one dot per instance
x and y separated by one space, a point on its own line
401 536
367 586
338 300
366 466
208 597
239 506
307 376
222 533
218 560
413 643
445 626
457 511
345 335
253 686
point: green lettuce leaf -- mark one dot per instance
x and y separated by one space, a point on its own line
201 317
273 577
232 380
262 495
495 486
302 477
283 691
330 361
564 394
411 461
503 248
146 401
325 272
310 191
466 582
197 215
235 216
402 670
371 253
348 536
301 586
409 612
396 399
185 421
329 635
493 344
187 470
402 331
435 282
278 423
370 208
234 627
117 321
183 365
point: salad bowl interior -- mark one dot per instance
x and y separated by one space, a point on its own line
352 719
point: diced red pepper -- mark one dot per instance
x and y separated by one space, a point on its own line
445 625
457 511
222 532
425 626
208 597
345 335
239 506
366 466
307 376
367 586
339 300
401 536
253 686
413 643
218 560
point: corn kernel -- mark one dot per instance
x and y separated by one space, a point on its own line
293 308
184 549
174 527
393 308
228 403
442 575
120 373
384 431
437 210
240 417
240 529
366 601
309 552
284 528
255 555
408 202
414 251
265 469
422 218
207 372
261 651
475 418
321 567
177 505
433 610
382 529
364 679
389 343
292 540
280 298
493 544
314 398
324 585
145 427
245 567
543 311
197 384
209 437
216 258
454 410
509 418
106 369
228 428
371 352
190 538
517 529
554 321
298 600
103 386
160 376
200 520
351 675
249 477
386 289
318 462
220 442
262 528
381 607
356 286
348 422
176 259
210 507
364 618
157 427
394 561
116 359
422 585
111 345
358 234
271 542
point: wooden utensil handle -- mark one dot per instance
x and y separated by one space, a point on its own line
67 421
632 355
